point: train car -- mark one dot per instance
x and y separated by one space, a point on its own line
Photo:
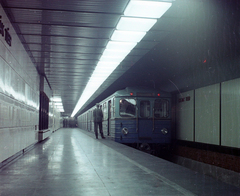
134 116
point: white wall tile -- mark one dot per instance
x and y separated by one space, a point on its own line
230 120
185 116
19 95
207 114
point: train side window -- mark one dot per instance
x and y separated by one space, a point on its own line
144 109
105 114
127 107
161 108
109 109
113 108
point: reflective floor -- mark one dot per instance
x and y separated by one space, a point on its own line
72 162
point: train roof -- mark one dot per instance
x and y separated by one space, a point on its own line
141 91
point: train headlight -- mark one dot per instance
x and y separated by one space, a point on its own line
125 130
164 131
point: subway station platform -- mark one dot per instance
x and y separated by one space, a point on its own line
72 162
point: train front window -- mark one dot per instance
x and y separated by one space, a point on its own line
127 107
145 109
161 108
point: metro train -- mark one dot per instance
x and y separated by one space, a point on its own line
134 116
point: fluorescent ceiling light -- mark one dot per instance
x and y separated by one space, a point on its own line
135 24
106 64
98 78
113 45
127 36
118 52
56 99
104 71
147 9
138 19
58 103
94 83
99 75
112 58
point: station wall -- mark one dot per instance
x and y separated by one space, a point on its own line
230 113
210 115
207 108
54 118
185 116
19 93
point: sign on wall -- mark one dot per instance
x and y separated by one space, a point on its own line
5 33
182 99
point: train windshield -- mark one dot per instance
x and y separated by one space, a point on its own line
161 108
127 107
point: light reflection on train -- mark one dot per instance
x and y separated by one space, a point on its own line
134 116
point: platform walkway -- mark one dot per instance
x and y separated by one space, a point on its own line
73 163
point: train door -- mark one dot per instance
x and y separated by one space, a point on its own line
145 125
109 116
161 114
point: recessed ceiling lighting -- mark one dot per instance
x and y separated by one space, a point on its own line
127 36
135 24
138 19
146 9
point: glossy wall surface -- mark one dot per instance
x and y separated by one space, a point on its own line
230 117
19 94
185 116
54 118
211 116
207 114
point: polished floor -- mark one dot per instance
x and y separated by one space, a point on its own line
72 162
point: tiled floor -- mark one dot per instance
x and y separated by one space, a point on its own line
72 162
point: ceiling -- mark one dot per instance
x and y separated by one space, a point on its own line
194 44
